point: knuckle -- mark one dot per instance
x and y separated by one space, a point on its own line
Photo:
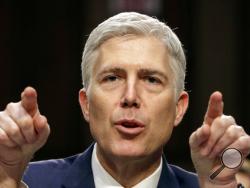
13 131
243 143
220 123
2 115
231 133
228 119
224 121
25 123
12 109
244 140
44 119
10 106
5 141
3 136
240 129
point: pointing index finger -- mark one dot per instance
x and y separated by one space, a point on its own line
215 107
29 100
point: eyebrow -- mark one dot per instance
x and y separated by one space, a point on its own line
112 69
141 72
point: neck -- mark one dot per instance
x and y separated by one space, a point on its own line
129 171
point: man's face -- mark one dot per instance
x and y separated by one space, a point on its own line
131 102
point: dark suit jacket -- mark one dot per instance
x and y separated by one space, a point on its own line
76 172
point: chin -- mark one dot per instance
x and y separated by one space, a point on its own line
129 151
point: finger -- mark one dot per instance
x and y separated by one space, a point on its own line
218 129
242 144
23 120
230 136
29 100
40 123
43 130
5 140
11 129
199 137
215 107
26 126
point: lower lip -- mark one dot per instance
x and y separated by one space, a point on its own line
133 131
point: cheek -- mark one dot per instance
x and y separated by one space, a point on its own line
163 117
98 108
101 108
163 109
98 116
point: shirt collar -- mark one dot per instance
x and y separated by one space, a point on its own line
103 179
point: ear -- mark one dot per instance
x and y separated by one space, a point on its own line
181 107
83 100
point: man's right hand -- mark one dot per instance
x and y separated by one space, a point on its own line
23 130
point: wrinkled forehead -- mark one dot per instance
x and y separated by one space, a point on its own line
132 50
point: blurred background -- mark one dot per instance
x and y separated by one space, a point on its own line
41 43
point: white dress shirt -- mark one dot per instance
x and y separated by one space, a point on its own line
103 179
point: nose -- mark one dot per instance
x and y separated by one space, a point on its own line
130 98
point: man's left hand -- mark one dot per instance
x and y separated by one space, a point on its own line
207 143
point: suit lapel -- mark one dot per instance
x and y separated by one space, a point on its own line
80 173
167 178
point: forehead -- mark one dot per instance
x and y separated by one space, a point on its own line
130 51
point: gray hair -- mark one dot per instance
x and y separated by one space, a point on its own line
137 24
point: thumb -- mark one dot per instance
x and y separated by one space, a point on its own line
215 107
29 101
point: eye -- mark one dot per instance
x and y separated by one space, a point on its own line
152 80
110 78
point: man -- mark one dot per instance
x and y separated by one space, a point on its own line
133 70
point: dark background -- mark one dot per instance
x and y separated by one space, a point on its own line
41 44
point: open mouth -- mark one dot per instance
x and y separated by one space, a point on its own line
129 127
130 124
